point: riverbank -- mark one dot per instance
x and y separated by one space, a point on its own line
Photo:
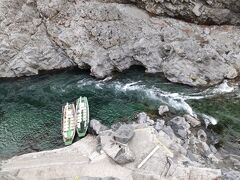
181 144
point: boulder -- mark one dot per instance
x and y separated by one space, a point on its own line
169 131
118 152
150 122
192 121
202 136
97 127
125 155
213 149
180 126
163 109
142 118
203 149
159 124
124 133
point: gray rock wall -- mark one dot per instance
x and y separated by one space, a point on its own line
105 37
196 11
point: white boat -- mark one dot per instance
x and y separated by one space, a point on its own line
68 123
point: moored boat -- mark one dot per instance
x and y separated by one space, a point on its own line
68 123
82 116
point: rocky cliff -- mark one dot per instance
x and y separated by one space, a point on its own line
107 36
197 11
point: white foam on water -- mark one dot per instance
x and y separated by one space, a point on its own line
106 79
174 100
99 86
84 82
209 120
223 88
131 86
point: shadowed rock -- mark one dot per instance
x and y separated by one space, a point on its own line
124 133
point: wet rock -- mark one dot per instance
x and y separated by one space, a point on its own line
162 110
202 136
97 127
180 126
159 124
124 133
192 121
209 120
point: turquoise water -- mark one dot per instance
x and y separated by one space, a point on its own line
30 108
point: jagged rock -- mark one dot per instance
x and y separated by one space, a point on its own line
169 161
124 133
38 35
118 152
213 149
159 124
202 136
116 125
125 155
231 175
180 126
142 118
234 160
162 110
197 11
169 131
203 149
97 127
150 122
192 121
192 156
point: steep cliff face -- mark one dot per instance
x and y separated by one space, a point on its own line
24 45
197 11
107 37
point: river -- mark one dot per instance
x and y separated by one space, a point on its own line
30 108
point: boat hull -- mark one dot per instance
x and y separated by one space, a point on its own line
68 124
82 116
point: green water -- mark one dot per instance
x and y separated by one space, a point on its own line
30 108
